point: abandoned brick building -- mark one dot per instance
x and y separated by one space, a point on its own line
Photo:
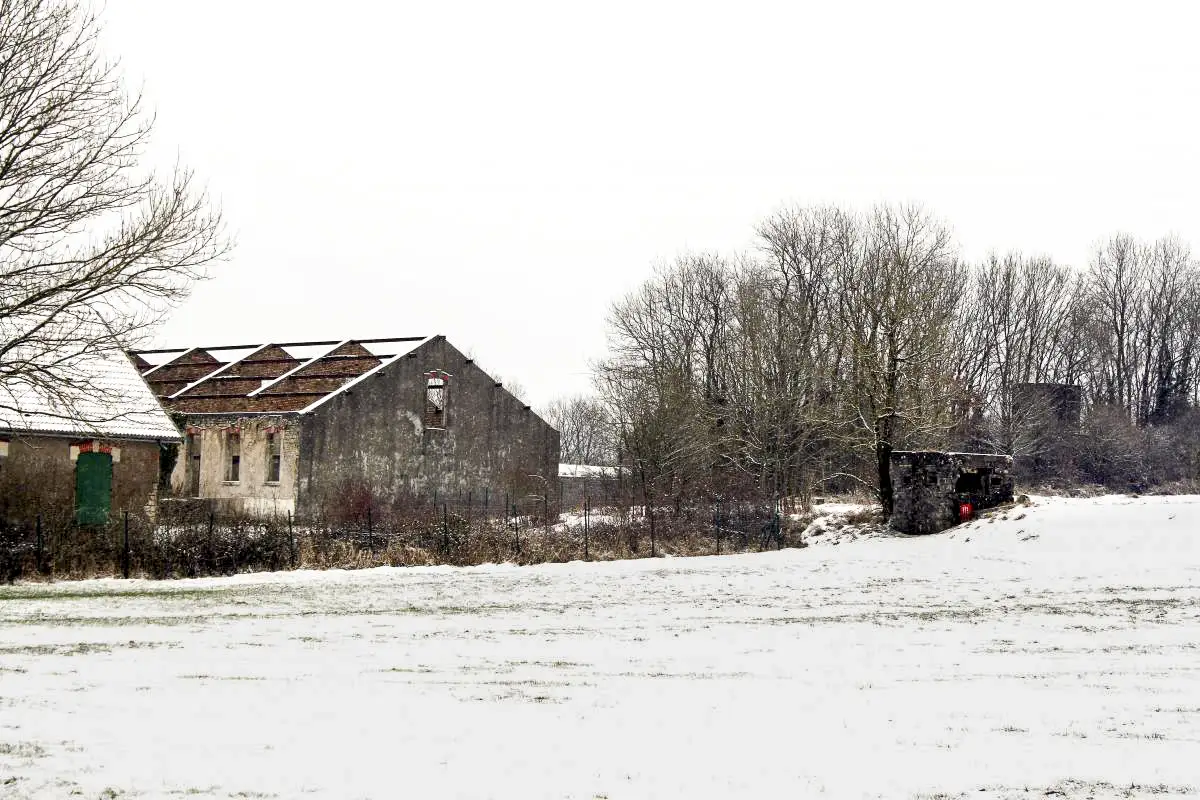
84 454
292 427
931 487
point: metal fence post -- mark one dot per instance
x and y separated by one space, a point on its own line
717 525
587 513
445 531
370 536
40 555
125 553
291 541
467 537
516 528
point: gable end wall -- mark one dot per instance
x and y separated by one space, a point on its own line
372 436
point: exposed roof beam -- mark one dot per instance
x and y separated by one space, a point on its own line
280 344
351 384
218 371
165 363
292 371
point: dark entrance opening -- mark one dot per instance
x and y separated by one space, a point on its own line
973 483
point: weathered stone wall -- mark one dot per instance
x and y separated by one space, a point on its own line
251 493
598 484
929 486
38 477
373 437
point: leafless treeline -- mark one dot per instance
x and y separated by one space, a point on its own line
94 247
848 335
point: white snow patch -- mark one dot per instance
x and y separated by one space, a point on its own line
1052 653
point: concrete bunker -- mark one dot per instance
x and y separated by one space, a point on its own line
931 487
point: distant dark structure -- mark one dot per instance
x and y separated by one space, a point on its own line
1045 419
1047 404
931 487
580 483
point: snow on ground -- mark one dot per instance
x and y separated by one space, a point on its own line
1054 653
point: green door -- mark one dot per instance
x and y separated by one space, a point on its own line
93 488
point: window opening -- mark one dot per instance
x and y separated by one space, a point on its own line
436 392
273 456
193 451
233 462
972 483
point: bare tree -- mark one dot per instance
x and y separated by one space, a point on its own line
586 433
897 296
93 246
1021 324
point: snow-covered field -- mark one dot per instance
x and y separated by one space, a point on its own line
1054 653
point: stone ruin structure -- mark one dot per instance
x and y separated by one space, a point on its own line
931 487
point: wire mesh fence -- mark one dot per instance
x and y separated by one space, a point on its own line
193 539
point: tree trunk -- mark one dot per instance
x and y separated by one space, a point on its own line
883 455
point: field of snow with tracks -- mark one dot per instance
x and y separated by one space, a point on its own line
1052 650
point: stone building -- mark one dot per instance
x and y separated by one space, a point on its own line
84 458
580 483
930 487
298 427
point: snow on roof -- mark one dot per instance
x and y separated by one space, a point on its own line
116 403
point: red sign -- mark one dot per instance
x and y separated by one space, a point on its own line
965 510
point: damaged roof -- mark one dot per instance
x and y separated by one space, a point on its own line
264 378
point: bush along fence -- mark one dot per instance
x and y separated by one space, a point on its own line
193 539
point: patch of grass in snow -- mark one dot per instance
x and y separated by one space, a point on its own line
1157 736
690 676
1068 789
77 649
82 648
22 750
106 622
50 593
221 678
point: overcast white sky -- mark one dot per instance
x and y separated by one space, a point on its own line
500 172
